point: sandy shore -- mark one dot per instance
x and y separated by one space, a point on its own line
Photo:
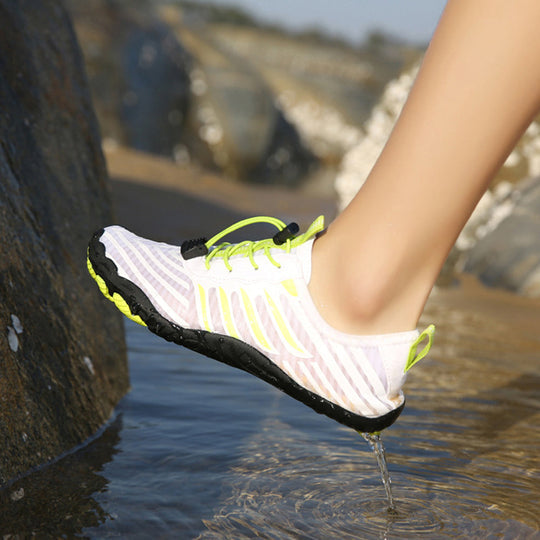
156 198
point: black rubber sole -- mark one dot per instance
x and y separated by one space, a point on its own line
225 349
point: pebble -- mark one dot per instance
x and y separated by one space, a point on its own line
89 364
17 326
13 340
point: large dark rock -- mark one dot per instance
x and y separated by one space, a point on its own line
63 365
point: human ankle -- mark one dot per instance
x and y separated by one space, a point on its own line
359 301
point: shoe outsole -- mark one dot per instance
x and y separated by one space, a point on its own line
133 303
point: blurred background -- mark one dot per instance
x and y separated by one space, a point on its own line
264 92
247 104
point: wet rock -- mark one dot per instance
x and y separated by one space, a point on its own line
508 256
53 194
60 501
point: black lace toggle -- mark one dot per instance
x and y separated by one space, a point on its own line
194 248
286 234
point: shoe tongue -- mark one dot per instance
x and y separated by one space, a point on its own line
316 227
303 252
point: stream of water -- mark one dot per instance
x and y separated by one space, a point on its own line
198 450
375 442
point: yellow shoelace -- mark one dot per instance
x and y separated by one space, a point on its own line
285 239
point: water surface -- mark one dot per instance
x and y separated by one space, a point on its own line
200 450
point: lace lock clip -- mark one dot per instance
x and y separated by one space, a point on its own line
194 248
286 234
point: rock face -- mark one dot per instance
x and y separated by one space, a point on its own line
524 161
326 89
234 119
509 255
62 353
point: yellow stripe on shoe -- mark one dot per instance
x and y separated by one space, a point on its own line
253 322
226 312
282 325
116 299
204 307
290 287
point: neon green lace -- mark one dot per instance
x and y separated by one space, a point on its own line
248 248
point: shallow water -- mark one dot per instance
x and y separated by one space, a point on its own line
200 450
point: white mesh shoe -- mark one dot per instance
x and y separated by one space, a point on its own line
248 305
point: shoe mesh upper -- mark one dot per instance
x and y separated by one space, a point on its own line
269 308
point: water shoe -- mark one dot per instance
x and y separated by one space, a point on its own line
248 305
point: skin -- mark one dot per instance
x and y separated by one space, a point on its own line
477 91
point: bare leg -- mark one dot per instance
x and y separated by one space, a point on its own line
476 92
